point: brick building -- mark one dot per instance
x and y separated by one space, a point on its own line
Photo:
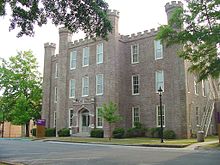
127 70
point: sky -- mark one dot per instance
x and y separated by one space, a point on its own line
135 16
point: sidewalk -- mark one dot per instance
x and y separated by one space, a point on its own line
197 146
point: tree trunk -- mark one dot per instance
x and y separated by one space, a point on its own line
27 129
110 132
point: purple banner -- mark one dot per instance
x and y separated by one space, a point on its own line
218 117
41 122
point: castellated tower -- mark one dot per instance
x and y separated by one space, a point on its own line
65 36
114 18
49 49
171 7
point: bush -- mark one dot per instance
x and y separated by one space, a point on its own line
34 132
118 133
64 132
169 134
136 132
50 132
97 133
154 132
137 125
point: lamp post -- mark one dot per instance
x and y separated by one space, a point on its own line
160 90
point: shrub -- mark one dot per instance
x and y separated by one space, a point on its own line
137 125
169 134
34 132
64 132
154 132
50 132
118 133
97 133
136 132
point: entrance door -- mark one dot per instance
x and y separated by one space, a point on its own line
85 121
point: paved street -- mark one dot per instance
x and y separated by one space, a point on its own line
39 153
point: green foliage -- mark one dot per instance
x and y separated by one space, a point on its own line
97 133
50 132
20 82
109 113
199 37
169 134
88 16
64 132
34 132
154 132
119 133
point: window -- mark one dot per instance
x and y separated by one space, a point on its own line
99 118
99 53
135 115
54 119
73 60
158 50
196 86
134 53
158 117
56 70
85 86
85 61
99 84
197 116
55 94
159 80
72 88
205 88
71 112
135 84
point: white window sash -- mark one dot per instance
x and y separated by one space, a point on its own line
85 86
99 84
158 48
55 94
56 70
99 53
85 57
73 56
158 115
132 53
98 117
158 83
133 115
71 117
133 88
72 87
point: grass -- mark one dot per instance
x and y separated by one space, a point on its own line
215 146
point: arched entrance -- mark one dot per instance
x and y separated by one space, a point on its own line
85 121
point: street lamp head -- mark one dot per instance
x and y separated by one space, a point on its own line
160 90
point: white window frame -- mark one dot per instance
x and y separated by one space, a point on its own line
71 114
85 55
133 115
98 117
132 81
55 94
157 86
134 53
72 86
97 84
83 86
73 56
196 86
54 119
99 47
158 48
56 70
158 115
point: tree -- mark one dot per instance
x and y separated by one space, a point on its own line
109 113
89 16
20 82
200 36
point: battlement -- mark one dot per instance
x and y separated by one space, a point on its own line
64 30
173 4
50 45
81 42
139 35
113 13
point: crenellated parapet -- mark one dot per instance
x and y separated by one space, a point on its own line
139 35
113 13
173 4
81 42
48 44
